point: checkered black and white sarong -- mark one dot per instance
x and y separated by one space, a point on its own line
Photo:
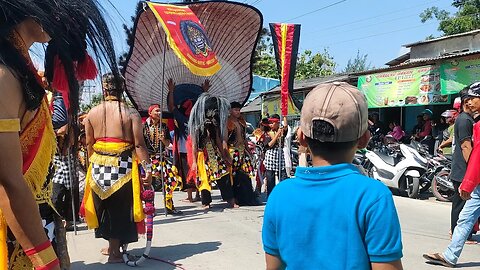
64 170
271 159
106 176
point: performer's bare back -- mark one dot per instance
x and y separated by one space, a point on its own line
105 120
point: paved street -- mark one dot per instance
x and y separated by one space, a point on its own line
231 238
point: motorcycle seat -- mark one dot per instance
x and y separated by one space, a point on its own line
388 159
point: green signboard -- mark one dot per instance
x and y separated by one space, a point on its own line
458 73
408 87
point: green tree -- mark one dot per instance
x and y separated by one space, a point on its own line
357 64
263 58
311 65
122 61
94 101
466 18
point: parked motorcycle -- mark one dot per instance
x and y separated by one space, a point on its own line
400 168
442 186
437 173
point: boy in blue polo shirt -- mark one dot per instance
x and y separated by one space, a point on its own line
330 216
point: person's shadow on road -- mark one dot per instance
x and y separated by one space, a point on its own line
160 257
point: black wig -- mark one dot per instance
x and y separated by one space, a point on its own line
73 26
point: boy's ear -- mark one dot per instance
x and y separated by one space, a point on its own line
301 138
363 141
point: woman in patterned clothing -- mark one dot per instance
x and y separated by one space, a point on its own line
209 155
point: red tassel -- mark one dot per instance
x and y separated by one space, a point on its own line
192 175
60 81
141 227
86 69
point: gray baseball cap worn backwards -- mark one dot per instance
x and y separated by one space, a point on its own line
341 105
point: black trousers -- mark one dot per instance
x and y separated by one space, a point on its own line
457 206
225 190
115 216
270 175
243 190
62 200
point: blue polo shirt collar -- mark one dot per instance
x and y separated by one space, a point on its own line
325 172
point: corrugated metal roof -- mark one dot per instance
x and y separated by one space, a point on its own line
253 106
310 83
473 32
417 62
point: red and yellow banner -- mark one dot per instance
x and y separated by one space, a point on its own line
285 42
187 38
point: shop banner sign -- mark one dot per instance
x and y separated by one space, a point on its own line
459 73
408 87
272 106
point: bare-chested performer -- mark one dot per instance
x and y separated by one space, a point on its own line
116 146
242 169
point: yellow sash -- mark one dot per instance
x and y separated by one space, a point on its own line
202 173
113 148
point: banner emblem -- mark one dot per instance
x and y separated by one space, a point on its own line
187 38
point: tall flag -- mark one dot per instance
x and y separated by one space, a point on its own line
187 38
286 38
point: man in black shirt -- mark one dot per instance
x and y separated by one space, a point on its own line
463 131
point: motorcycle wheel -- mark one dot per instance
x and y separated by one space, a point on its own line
424 186
440 192
410 187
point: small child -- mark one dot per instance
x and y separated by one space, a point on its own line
331 216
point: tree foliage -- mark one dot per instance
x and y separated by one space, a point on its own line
263 57
309 65
466 18
357 64
94 101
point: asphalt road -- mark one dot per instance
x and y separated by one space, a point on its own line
231 238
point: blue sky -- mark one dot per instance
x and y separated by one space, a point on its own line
375 27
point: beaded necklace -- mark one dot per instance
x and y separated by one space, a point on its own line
154 136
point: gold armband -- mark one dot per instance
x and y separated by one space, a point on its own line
10 125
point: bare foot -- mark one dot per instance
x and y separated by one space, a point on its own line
234 205
206 208
105 251
188 200
114 259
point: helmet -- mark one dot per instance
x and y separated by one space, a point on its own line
449 114
457 103
428 112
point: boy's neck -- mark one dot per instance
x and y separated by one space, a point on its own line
318 161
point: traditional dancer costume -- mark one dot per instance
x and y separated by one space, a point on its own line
151 133
242 172
112 190
38 147
69 24
207 126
